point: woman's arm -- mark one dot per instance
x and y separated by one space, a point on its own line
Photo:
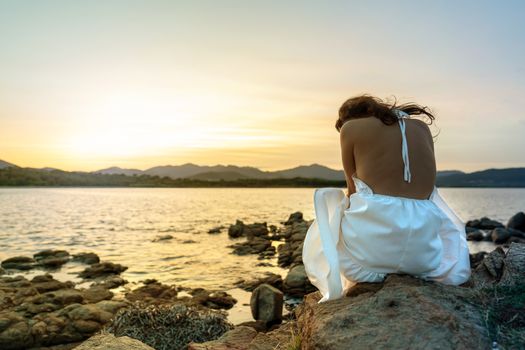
347 154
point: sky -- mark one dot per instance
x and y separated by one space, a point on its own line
86 85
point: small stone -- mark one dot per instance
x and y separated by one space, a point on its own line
86 258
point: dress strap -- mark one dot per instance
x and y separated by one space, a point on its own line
401 116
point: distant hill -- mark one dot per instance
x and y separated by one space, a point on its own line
510 177
230 175
217 176
4 164
119 171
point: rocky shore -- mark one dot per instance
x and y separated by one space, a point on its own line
488 312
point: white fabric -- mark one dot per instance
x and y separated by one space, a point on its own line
366 236
404 146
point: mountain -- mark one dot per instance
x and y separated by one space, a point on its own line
189 169
4 164
218 175
310 171
508 177
448 172
119 171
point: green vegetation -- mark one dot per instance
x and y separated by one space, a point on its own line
504 315
35 177
169 327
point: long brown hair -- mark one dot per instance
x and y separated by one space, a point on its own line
369 106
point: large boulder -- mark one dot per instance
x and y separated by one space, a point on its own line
502 235
408 313
405 313
517 221
266 304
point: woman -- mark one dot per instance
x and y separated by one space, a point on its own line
392 218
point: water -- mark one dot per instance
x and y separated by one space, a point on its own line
119 224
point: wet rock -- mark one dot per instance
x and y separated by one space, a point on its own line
108 341
266 304
235 230
162 238
250 231
86 258
102 269
406 313
95 294
476 259
476 235
254 245
270 278
484 223
51 258
2 271
294 217
188 241
216 229
212 300
514 265
502 235
111 282
517 221
297 283
19 263
46 283
153 293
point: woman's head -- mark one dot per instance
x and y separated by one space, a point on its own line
369 106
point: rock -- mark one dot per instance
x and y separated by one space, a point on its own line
235 230
484 224
51 258
213 300
162 238
514 263
405 313
476 259
95 294
254 245
517 221
270 278
46 283
216 229
297 283
102 269
236 339
2 271
111 282
19 263
108 341
248 230
17 336
476 235
501 235
266 304
86 258
153 293
295 217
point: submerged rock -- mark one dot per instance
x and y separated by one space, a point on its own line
51 258
102 269
19 263
86 258
162 238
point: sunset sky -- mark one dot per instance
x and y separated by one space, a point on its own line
86 85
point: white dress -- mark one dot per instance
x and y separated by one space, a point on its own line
366 236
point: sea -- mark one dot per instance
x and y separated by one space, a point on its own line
121 225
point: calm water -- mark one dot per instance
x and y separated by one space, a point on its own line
120 224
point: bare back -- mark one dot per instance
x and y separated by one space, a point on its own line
373 151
